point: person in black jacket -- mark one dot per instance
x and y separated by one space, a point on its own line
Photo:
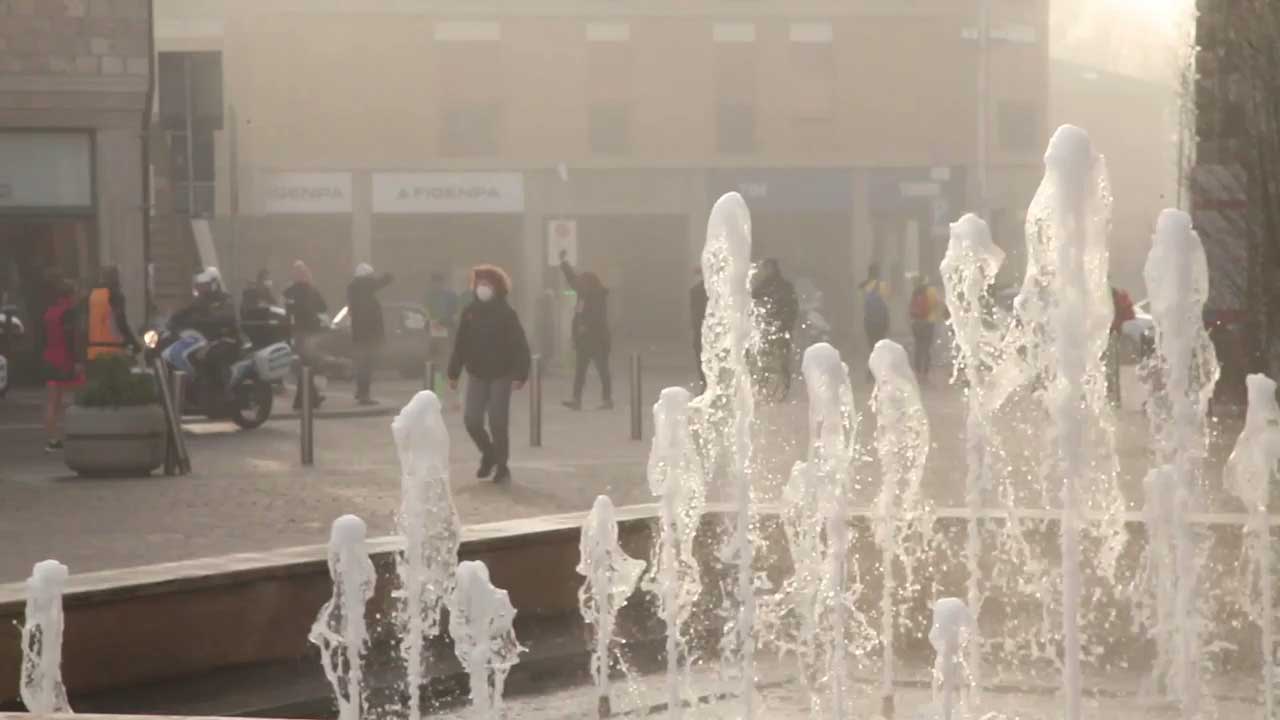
305 305
590 332
698 313
491 346
367 329
779 309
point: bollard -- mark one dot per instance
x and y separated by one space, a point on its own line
166 397
429 379
535 401
179 402
637 398
308 419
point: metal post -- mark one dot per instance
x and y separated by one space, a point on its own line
535 402
637 397
179 402
429 377
308 419
166 397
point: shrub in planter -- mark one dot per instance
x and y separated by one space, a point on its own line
116 426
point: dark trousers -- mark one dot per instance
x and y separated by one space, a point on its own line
600 357
491 399
875 334
364 371
924 347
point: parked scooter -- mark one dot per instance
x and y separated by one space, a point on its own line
11 330
244 396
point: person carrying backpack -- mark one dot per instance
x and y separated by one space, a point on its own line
925 310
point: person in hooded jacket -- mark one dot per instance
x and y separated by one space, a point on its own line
491 346
590 331
368 331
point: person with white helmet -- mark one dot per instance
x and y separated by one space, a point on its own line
367 329
212 313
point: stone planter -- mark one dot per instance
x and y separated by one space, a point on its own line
115 441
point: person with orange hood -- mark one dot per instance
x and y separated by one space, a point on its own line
491 346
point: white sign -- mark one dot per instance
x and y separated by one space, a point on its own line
45 170
306 193
448 193
562 234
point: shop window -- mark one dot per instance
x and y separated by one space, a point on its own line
610 128
736 124
1019 127
471 129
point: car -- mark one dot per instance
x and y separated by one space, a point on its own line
405 349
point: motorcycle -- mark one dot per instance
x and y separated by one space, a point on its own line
244 396
11 329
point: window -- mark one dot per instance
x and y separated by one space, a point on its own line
471 129
189 90
735 74
610 128
736 125
1019 127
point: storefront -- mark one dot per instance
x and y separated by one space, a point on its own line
429 222
297 216
803 218
47 221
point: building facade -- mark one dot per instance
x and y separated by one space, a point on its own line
429 136
74 79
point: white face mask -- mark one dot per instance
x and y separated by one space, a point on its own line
484 293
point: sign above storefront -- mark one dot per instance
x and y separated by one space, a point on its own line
306 193
815 190
448 193
46 170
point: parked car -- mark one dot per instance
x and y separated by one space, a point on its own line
405 349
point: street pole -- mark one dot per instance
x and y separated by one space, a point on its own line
637 398
429 376
308 418
535 402
984 110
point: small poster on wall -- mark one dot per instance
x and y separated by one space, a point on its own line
562 234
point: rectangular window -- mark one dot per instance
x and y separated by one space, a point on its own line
610 128
735 83
471 129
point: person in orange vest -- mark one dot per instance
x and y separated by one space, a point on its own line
109 332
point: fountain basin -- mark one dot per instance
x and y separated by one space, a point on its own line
228 635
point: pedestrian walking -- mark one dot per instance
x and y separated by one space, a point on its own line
108 324
875 309
697 314
590 331
926 312
305 307
62 359
368 330
259 294
491 346
779 308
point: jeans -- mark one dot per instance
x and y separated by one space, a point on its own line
490 398
364 371
600 357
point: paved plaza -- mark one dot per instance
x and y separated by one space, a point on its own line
249 492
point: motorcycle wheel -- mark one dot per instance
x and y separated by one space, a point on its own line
253 405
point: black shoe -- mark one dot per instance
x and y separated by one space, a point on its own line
502 476
573 404
53 446
486 467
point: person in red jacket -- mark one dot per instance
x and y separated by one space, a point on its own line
63 366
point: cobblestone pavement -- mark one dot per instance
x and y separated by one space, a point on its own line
249 492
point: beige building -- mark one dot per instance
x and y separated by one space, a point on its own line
74 76
428 136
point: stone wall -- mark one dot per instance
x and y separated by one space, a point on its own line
74 38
